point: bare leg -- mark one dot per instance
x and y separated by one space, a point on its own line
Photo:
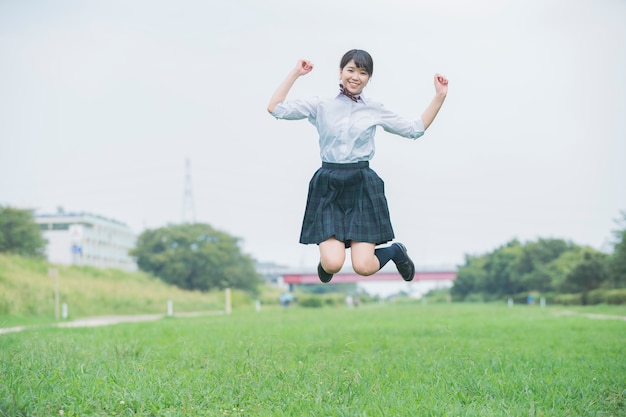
364 262
332 255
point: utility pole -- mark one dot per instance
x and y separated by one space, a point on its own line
54 273
189 211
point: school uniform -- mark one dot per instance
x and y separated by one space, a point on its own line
346 197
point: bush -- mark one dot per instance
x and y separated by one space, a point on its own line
550 297
569 299
474 297
617 296
438 296
596 297
329 301
311 301
602 296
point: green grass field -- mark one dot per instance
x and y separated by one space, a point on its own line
376 360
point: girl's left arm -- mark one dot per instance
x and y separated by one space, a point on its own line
441 90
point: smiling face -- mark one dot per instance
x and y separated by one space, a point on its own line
353 78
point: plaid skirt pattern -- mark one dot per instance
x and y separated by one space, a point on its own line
346 201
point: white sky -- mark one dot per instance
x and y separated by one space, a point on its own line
102 102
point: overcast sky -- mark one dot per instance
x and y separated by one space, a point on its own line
101 103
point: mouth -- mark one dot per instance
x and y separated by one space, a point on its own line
354 87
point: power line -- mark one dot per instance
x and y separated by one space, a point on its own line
189 211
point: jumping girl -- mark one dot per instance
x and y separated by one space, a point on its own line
346 205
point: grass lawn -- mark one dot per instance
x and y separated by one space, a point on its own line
375 360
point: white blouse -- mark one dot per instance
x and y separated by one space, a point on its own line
346 129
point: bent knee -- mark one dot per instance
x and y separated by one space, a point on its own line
332 266
364 269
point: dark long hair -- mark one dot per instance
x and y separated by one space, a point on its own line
361 58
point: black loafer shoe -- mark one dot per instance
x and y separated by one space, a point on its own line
325 277
406 268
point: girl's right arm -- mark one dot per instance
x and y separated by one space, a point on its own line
302 68
441 91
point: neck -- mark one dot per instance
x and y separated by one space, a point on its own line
354 97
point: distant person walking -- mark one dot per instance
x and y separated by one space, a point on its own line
346 205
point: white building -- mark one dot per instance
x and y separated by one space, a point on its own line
87 239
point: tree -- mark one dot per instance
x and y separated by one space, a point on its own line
532 267
502 278
195 257
588 275
19 234
617 264
516 268
470 278
561 267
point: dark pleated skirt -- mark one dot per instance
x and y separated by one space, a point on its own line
346 201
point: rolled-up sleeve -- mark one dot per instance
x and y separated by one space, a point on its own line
296 109
393 123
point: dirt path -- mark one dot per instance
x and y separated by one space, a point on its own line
110 320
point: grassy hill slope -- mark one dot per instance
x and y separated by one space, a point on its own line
27 292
